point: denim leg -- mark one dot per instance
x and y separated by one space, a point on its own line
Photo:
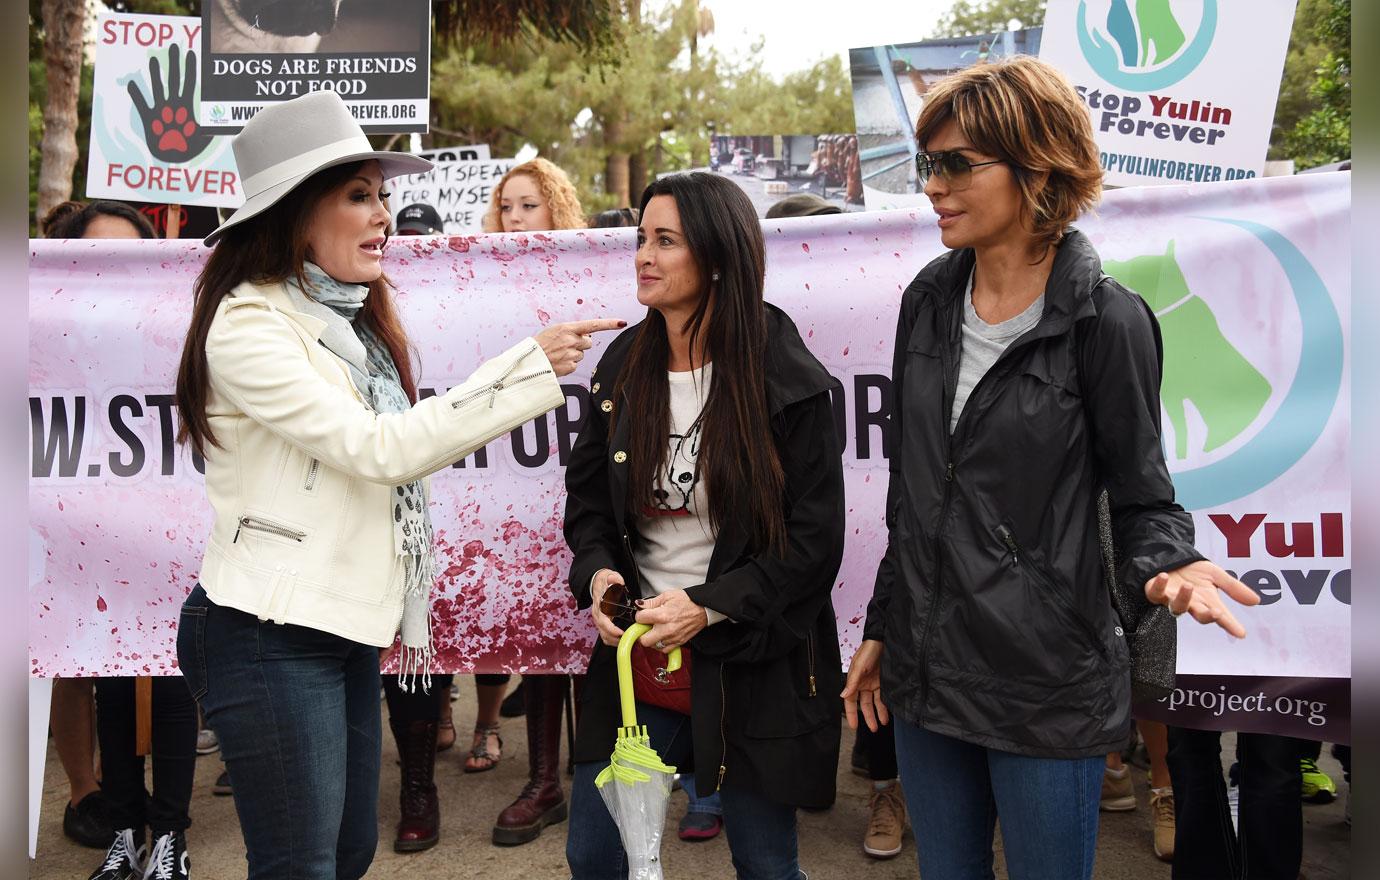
593 848
1204 842
761 836
359 827
276 697
712 805
949 798
1048 812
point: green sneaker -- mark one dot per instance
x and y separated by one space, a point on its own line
1318 787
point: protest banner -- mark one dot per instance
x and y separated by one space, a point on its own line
146 144
771 167
889 85
456 154
376 56
1178 91
459 191
1251 282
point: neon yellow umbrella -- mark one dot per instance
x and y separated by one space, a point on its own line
636 785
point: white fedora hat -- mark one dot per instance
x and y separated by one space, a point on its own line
288 142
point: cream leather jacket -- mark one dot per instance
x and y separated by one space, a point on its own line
302 480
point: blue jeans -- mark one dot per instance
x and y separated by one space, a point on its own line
710 806
297 714
955 791
761 833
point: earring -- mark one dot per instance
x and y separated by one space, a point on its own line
714 277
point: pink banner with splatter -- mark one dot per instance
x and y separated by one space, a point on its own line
1251 282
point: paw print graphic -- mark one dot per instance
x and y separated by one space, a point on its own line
170 126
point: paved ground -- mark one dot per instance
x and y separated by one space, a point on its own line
830 842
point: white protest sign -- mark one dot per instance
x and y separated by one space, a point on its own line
459 191
146 144
456 154
1179 90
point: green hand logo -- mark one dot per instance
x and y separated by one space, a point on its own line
1200 366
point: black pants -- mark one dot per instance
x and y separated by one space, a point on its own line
880 748
1269 842
174 755
405 707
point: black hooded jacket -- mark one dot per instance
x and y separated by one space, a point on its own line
765 683
991 600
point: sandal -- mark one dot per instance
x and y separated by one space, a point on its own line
445 730
480 759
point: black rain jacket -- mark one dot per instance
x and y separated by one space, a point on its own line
991 598
764 684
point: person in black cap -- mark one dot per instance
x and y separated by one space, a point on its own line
419 219
801 205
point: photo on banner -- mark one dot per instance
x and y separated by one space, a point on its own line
458 191
770 168
376 56
1180 92
889 86
146 144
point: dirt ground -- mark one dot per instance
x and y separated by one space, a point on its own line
830 841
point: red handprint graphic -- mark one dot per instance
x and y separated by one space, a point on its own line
170 126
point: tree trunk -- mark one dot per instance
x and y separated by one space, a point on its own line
616 160
62 47
637 174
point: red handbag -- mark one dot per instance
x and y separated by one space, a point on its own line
653 684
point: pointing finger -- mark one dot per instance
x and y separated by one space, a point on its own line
584 328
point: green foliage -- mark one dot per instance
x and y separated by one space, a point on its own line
1312 122
989 16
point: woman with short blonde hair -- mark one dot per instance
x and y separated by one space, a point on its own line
1025 383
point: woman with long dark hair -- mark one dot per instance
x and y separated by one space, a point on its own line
297 387
706 486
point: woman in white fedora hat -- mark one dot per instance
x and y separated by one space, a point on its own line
296 386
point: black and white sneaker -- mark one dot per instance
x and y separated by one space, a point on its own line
124 860
168 858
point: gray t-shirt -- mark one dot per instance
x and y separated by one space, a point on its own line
983 343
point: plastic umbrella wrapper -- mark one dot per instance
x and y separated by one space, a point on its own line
636 785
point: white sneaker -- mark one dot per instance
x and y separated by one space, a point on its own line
206 741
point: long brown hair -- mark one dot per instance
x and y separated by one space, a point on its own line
272 247
737 456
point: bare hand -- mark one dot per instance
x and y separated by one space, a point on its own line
609 633
674 619
565 344
862 693
1196 588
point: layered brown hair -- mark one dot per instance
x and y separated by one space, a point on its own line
737 454
271 248
1026 112
556 188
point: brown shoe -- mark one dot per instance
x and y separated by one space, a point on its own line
1118 795
886 823
420 824
1162 809
542 801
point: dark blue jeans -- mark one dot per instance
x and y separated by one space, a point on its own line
956 790
761 833
297 714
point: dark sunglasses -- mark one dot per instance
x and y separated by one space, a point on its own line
616 606
953 166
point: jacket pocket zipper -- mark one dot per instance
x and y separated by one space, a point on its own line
256 524
810 653
1009 540
503 381
311 475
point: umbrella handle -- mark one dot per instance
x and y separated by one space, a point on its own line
625 676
